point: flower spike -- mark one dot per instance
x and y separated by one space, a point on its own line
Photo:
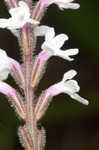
19 17
23 23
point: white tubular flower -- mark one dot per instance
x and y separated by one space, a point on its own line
9 65
52 43
67 86
62 4
19 17
4 65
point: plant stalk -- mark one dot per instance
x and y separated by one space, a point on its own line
31 124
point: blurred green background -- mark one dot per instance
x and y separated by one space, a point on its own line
69 125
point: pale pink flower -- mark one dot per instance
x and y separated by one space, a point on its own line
19 17
67 86
52 44
7 65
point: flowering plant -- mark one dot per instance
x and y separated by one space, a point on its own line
24 24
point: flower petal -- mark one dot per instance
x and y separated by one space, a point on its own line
49 34
79 99
68 6
22 7
71 52
46 31
62 4
59 40
63 1
67 53
3 23
69 75
41 30
63 54
5 65
71 86
19 17
4 72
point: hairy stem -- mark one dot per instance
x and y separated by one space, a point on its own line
38 11
29 96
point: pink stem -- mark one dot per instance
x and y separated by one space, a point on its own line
31 123
38 11
41 139
26 139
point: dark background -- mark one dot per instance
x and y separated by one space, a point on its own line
69 125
